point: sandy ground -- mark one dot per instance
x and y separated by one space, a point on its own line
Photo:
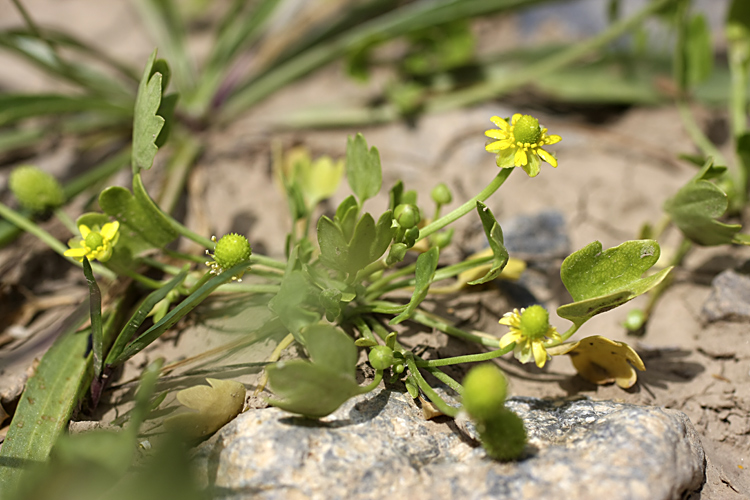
613 177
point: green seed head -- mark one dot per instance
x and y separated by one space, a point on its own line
94 240
535 322
441 194
381 357
35 189
407 215
231 249
527 130
503 436
485 389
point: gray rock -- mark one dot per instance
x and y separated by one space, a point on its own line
538 237
730 297
379 446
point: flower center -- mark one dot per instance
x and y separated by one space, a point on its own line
535 322
94 240
527 131
231 249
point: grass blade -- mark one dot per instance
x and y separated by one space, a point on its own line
95 305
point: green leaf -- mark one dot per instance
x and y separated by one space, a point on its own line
173 316
95 308
346 216
213 407
146 123
384 232
15 107
494 234
395 195
166 111
290 303
140 315
358 255
309 389
424 275
334 249
696 206
330 347
363 168
599 281
139 213
50 397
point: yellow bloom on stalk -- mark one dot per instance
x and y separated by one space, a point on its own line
529 329
519 144
95 243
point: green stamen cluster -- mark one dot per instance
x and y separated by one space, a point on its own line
535 322
230 250
527 131
35 189
94 240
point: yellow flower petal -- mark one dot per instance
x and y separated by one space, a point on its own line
540 354
76 253
109 230
496 134
84 230
520 158
552 139
500 123
509 338
547 157
515 118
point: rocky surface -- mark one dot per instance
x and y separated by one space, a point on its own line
730 297
379 445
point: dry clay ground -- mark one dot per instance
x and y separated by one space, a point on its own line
612 177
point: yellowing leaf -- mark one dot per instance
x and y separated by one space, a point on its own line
602 361
215 406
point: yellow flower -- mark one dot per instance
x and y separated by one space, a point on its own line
95 243
529 329
603 361
520 143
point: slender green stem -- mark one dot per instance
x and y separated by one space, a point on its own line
429 391
565 336
140 278
738 68
469 358
441 376
66 220
179 167
656 293
363 328
467 207
373 290
12 216
372 385
697 135
206 276
267 261
434 321
187 233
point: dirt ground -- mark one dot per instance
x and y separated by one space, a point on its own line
615 173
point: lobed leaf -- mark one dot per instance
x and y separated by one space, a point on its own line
602 280
147 124
363 168
424 275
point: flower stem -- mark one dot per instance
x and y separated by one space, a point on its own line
469 358
434 321
372 385
697 135
466 207
429 391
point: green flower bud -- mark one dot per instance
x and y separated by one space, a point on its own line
94 240
527 130
443 239
407 216
535 322
381 357
503 436
634 320
485 388
441 194
35 189
231 249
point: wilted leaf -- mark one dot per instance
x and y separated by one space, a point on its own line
214 407
602 361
